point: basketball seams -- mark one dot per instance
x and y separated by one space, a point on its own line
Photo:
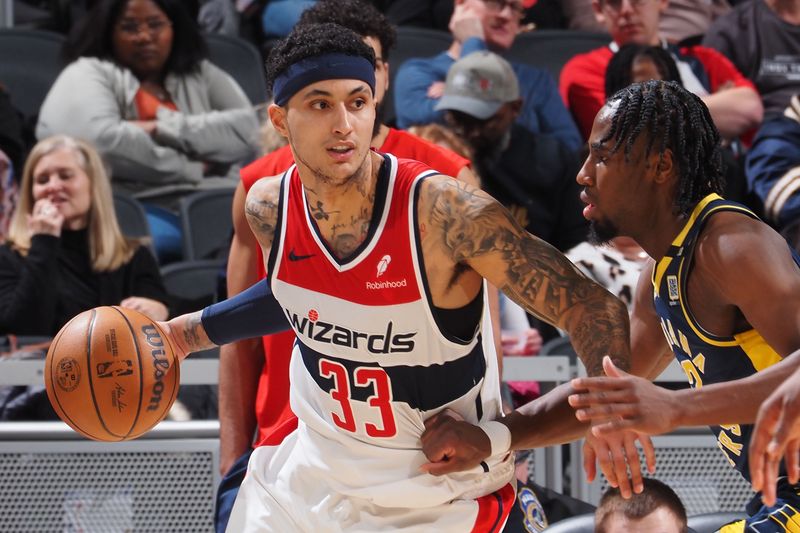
91 378
53 386
141 371
176 367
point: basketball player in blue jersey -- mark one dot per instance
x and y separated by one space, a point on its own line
721 294
378 264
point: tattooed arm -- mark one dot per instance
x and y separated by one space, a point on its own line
466 228
186 334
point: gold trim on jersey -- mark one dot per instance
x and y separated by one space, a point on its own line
664 262
761 354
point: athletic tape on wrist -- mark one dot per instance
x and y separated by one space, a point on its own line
499 436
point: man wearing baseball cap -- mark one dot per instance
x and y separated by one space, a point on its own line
531 174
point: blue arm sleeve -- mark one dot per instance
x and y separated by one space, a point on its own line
251 313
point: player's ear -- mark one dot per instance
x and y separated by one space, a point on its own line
665 166
277 115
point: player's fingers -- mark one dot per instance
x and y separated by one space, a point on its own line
596 384
634 465
770 478
770 482
762 435
589 462
606 464
649 453
611 413
792 458
438 452
620 465
446 466
781 433
591 399
610 427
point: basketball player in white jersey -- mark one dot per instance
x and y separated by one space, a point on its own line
378 265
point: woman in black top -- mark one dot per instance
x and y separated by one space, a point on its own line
65 252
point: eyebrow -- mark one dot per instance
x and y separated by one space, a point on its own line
598 147
320 92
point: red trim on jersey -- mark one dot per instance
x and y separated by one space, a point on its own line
493 510
383 274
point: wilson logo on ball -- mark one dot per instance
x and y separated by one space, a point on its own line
160 364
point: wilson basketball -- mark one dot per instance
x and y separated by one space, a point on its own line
111 374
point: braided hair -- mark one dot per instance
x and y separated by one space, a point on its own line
671 118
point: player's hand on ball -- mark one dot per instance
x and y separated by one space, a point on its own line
776 435
453 445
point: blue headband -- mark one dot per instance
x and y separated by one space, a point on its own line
318 68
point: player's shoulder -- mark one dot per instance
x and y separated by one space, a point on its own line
456 195
729 238
266 187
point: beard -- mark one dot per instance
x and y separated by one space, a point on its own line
601 232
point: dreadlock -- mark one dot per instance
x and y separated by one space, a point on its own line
678 121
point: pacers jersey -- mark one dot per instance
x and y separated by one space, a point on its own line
371 363
704 357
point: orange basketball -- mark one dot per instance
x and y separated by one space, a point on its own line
111 374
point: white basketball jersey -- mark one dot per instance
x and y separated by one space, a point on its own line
370 363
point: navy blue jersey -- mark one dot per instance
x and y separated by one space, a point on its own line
707 358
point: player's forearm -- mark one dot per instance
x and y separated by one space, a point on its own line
546 421
239 370
732 402
599 326
188 334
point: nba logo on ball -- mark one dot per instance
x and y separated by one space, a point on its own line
68 374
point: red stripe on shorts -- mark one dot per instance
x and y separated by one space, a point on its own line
493 510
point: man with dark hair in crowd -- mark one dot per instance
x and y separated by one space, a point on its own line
532 175
656 509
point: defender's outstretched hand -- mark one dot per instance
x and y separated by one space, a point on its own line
618 457
776 434
624 402
617 407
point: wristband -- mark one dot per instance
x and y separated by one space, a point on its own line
499 436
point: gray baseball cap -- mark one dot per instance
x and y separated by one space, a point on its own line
478 85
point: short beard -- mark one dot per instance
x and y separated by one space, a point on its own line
602 232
